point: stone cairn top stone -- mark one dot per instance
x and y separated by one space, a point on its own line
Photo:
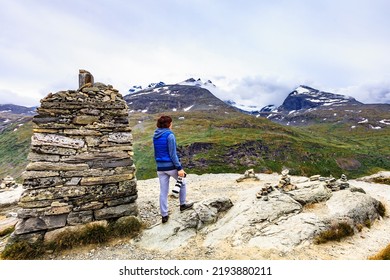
81 166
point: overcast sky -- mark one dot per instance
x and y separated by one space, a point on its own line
254 51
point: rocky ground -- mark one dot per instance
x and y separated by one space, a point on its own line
358 247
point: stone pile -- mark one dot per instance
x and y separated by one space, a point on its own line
285 182
332 183
339 184
248 175
265 190
8 183
81 165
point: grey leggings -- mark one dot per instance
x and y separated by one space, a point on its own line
164 177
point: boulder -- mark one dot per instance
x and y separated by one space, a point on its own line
182 226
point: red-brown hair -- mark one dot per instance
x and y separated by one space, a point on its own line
164 122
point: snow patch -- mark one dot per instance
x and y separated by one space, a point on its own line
188 108
386 122
375 127
364 121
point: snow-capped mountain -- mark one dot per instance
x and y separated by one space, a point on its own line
306 105
303 106
304 97
189 95
14 114
198 83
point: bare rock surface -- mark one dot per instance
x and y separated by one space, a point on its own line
248 227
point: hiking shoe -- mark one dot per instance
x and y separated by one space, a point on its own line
164 219
186 206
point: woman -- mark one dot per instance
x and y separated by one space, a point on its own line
168 165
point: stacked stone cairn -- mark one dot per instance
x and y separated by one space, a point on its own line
81 167
336 185
8 183
265 190
248 175
285 182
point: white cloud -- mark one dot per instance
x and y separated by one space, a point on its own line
371 92
262 48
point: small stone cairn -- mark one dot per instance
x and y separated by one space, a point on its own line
263 193
285 182
81 167
284 185
248 175
8 183
336 185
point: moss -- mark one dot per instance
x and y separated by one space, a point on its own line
335 233
126 226
90 234
381 209
367 223
384 254
23 250
7 231
382 180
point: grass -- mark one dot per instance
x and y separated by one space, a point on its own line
89 234
335 233
341 230
382 180
238 142
384 254
381 209
14 147
7 231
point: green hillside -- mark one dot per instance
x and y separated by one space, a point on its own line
234 142
14 147
216 143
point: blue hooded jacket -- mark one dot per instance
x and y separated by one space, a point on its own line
164 142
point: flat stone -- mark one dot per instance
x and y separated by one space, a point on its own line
80 217
40 223
85 119
93 205
35 203
54 150
39 174
120 137
82 132
55 166
38 183
39 139
116 211
42 157
111 163
122 200
88 181
88 173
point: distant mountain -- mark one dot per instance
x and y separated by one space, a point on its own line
189 95
305 97
16 109
307 106
14 114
